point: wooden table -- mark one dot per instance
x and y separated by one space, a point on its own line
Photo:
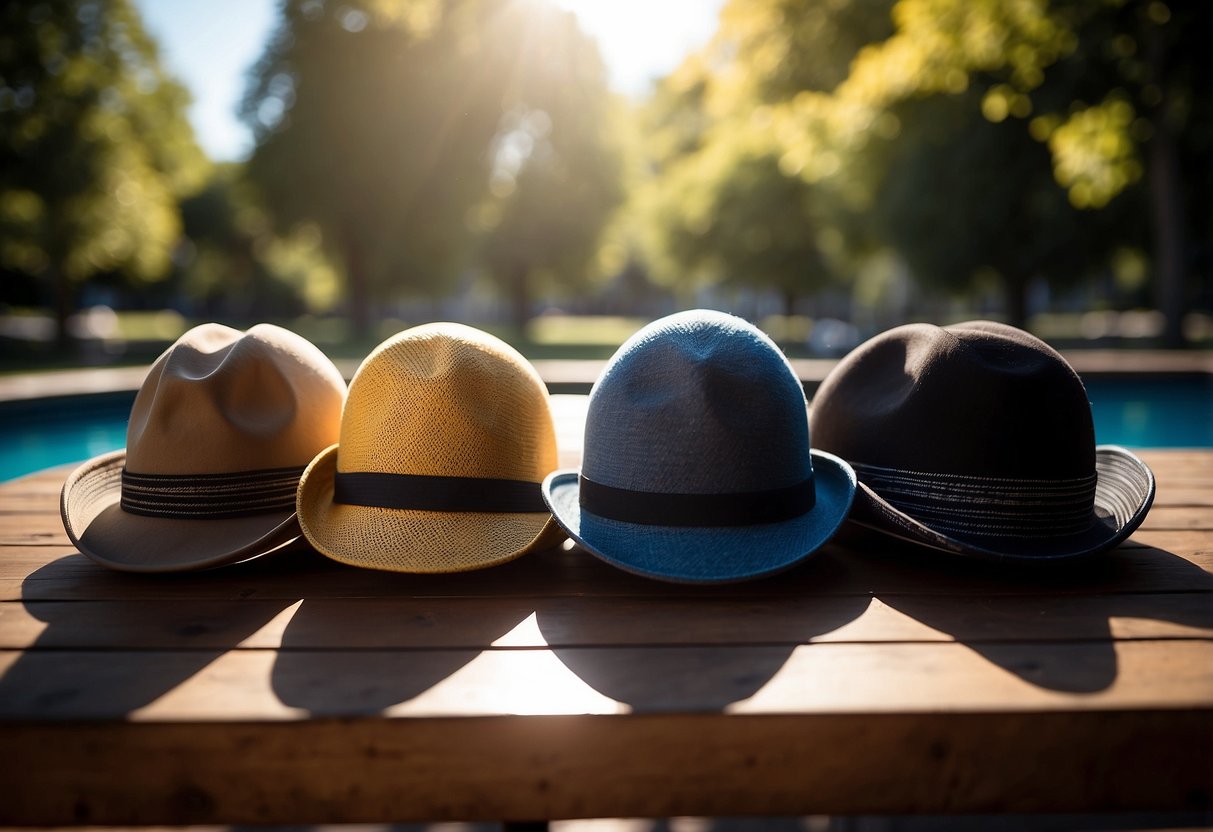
870 680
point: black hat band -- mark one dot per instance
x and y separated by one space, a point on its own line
422 492
656 508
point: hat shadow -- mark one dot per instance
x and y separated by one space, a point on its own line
172 636
660 647
1005 613
363 655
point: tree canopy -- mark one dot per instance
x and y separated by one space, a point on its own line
985 142
399 128
728 203
95 149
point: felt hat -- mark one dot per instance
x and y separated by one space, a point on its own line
977 439
220 432
697 466
445 438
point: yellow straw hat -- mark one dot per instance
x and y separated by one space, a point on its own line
445 438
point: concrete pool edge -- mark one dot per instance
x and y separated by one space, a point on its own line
577 375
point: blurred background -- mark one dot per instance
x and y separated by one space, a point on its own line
561 172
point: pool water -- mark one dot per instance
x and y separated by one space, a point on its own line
1156 412
1159 412
54 431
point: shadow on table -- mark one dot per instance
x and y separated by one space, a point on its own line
623 656
400 634
376 653
1005 613
175 625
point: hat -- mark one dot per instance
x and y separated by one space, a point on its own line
697 466
219 433
445 438
977 439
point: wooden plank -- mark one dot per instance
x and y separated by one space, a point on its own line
234 685
519 768
1165 518
1169 494
451 623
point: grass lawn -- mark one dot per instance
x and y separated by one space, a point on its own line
137 337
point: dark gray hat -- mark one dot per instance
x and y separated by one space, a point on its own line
697 466
977 439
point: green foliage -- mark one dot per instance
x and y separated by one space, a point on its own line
1015 140
556 164
386 123
730 202
967 200
234 263
94 146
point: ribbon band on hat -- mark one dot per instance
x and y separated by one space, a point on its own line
995 506
421 492
651 508
210 496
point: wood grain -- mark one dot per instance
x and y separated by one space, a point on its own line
171 686
872 679
428 623
513 768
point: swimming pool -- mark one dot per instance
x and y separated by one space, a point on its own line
1150 412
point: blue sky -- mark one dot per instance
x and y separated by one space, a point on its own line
211 44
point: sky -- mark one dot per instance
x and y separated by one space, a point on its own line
210 45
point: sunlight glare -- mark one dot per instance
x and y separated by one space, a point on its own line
642 40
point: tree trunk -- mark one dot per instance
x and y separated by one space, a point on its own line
1166 209
65 305
520 297
1016 297
356 283
1166 216
790 297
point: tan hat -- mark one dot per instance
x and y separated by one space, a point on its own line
220 432
445 439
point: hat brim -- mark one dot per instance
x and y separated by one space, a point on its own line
101 530
1124 492
707 555
419 542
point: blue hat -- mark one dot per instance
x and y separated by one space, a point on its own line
697 466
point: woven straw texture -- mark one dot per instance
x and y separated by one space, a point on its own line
217 401
439 400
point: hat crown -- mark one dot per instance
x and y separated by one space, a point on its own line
447 400
220 400
978 399
697 403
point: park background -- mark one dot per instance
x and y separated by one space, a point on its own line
825 168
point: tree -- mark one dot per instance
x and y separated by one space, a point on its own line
385 121
966 200
730 215
371 121
233 264
556 160
95 149
729 202
1117 93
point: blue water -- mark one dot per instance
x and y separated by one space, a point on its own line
1159 412
38 434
